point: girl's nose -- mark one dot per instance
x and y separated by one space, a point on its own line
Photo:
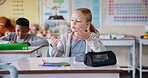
74 22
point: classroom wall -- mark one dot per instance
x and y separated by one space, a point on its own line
31 11
136 31
14 9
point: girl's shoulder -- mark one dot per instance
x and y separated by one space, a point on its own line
94 35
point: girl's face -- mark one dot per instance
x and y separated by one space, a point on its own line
78 20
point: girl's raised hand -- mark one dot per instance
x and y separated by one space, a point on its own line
54 41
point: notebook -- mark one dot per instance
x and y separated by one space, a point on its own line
13 46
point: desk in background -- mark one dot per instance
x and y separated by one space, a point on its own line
128 42
142 42
30 68
9 56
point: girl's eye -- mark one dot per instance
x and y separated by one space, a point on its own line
78 21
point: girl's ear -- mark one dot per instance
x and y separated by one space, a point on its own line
87 25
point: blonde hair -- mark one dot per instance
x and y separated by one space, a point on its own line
88 15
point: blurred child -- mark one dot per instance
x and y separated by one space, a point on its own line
44 32
34 29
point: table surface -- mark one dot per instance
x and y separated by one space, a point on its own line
33 65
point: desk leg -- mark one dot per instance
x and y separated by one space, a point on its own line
133 60
140 60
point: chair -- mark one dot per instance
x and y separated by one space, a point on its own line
11 69
47 53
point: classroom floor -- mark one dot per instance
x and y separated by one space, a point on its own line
129 75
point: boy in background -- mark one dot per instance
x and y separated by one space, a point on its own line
21 35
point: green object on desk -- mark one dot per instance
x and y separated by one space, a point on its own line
13 47
58 64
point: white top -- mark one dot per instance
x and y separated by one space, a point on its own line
93 44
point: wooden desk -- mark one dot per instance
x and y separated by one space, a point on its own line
8 56
30 68
129 42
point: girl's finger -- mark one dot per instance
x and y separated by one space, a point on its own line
79 31
55 41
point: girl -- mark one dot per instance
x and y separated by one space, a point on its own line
83 37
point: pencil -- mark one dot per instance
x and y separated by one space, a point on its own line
43 61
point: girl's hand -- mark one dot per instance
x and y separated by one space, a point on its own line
84 34
54 41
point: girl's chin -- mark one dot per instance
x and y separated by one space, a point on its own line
76 34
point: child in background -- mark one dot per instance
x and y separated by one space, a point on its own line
44 32
34 29
21 35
